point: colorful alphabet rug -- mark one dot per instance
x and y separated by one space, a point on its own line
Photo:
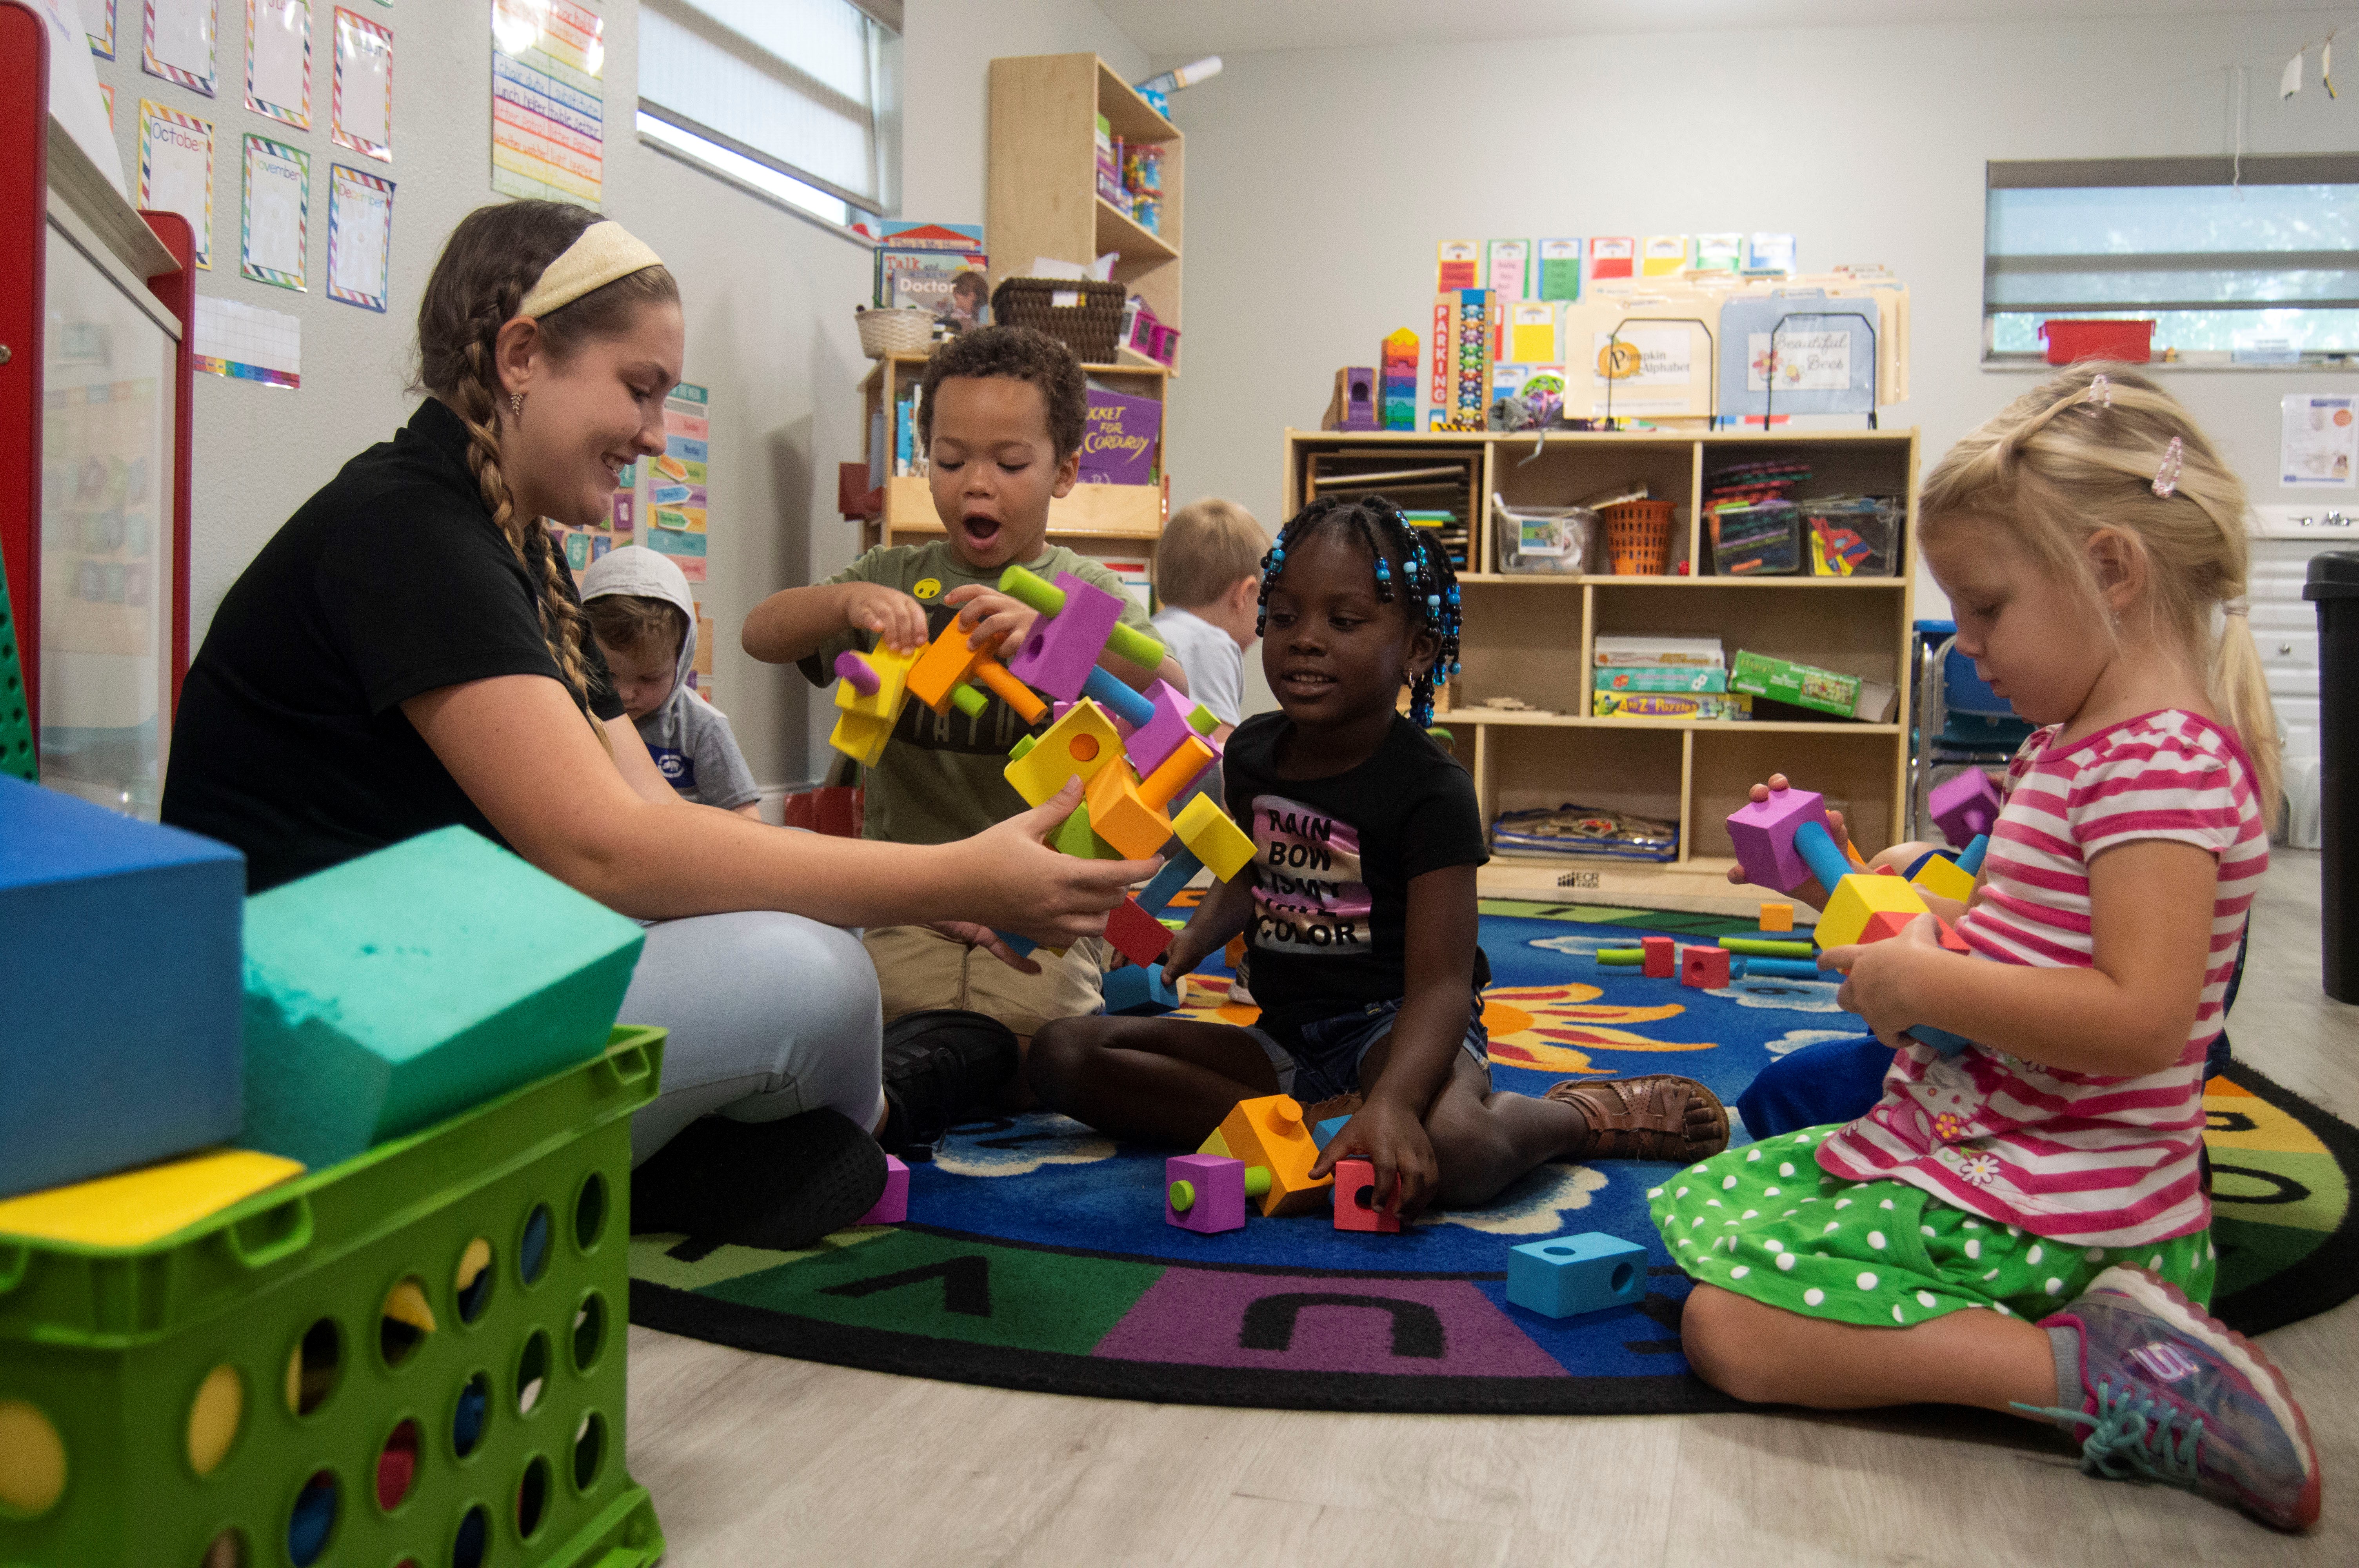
1035 1254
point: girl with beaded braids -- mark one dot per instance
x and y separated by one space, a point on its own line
407 654
1359 911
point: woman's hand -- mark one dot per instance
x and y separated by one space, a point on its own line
1810 892
1883 980
990 941
992 618
1391 1138
1016 882
898 621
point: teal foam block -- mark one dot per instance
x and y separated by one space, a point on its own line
118 988
387 993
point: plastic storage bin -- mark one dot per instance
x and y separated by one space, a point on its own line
1760 540
1562 539
237 1395
1851 535
1638 536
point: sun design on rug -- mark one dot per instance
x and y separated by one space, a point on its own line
1534 1204
1553 1029
1017 1146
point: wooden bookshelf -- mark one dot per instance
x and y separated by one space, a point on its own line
1043 198
1531 636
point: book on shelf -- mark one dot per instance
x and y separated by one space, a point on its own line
909 236
1119 442
947 284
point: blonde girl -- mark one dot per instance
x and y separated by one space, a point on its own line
2023 1227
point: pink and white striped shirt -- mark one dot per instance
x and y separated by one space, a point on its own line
2081 1159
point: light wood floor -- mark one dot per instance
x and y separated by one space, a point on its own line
754 1459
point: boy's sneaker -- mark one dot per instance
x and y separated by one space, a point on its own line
939 1066
2176 1397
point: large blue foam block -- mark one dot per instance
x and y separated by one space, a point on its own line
118 989
391 991
1573 1274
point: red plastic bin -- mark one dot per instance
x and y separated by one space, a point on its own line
2131 342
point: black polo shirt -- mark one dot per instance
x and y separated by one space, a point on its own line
290 743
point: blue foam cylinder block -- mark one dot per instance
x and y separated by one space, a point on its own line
1785 970
1117 698
1176 872
1970 858
1818 852
119 947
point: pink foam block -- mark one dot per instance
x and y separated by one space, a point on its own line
893 1207
1064 648
1218 1187
1152 742
1355 1200
1763 834
1704 967
1965 806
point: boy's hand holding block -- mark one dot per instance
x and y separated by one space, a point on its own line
1078 622
1268 1133
394 990
874 687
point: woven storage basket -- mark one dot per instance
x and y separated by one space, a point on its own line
895 330
1637 537
1089 323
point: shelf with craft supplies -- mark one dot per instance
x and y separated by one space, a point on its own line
1524 712
1064 130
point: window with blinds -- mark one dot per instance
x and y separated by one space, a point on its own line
2236 262
796 99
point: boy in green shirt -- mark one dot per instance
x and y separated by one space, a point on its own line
1001 412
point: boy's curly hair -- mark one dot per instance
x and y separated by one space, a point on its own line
1020 354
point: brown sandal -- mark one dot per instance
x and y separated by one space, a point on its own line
1643 1117
1345 1105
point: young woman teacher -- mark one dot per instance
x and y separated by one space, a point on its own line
408 652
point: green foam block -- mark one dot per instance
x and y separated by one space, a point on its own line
389 992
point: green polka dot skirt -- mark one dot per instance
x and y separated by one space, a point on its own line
1764 1221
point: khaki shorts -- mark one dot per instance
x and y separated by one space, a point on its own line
919 969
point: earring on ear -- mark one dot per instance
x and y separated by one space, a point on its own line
516 404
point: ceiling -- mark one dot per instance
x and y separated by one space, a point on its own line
1184 30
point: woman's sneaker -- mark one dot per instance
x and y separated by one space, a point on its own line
2174 1396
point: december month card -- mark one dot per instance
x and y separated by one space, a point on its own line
360 236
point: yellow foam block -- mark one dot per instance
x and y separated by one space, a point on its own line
1269 1132
472 1263
861 738
1859 898
1076 746
214 1417
1212 838
892 669
1121 816
405 1302
1943 877
135 1207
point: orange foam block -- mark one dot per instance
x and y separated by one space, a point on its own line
1123 816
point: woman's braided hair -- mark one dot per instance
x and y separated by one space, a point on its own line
491 261
1377 525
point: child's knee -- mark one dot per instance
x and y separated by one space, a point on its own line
1712 1336
1060 1054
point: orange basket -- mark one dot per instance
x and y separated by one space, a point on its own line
1637 537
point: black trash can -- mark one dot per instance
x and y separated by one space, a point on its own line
2334 583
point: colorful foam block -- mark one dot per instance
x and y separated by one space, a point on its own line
391 991
1659 956
1212 838
1621 957
1118 698
1324 1132
1705 967
1204 1193
1011 691
1761 832
118 989
1128 641
1136 935
1269 1132
134 1207
1777 917
1859 898
1074 837
1943 878
1077 746
1177 874
892 1205
1787 970
1124 817
1167 724
1576 1273
1137 990
1970 858
1767 947
1357 1207
1064 643
861 738
1964 806
1184 766
945 663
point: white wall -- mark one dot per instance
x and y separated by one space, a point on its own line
1320 181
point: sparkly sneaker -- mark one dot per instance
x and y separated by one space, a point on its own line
2173 1396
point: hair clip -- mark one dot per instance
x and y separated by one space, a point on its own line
2100 394
2166 477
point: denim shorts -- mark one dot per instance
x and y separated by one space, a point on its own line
1326 1060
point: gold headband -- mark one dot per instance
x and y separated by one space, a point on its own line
605 251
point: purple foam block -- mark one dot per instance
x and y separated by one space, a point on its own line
1220 1193
856 669
1152 742
893 1207
1763 834
1964 806
1064 648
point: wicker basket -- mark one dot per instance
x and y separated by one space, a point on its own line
1087 317
1637 537
895 330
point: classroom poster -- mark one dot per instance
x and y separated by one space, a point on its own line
675 506
175 170
548 114
246 342
1559 269
360 237
360 113
107 96
273 234
98 21
2318 445
177 42
278 60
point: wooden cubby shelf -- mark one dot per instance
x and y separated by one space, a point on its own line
1531 637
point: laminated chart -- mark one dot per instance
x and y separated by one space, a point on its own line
360 236
246 342
548 113
361 106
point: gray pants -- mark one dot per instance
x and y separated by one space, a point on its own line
770 1015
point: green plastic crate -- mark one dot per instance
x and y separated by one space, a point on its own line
17 755
114 1357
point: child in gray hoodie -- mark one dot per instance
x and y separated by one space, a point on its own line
644 621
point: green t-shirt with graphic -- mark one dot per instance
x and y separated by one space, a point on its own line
940 777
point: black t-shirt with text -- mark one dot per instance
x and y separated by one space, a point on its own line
391 581
1332 862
